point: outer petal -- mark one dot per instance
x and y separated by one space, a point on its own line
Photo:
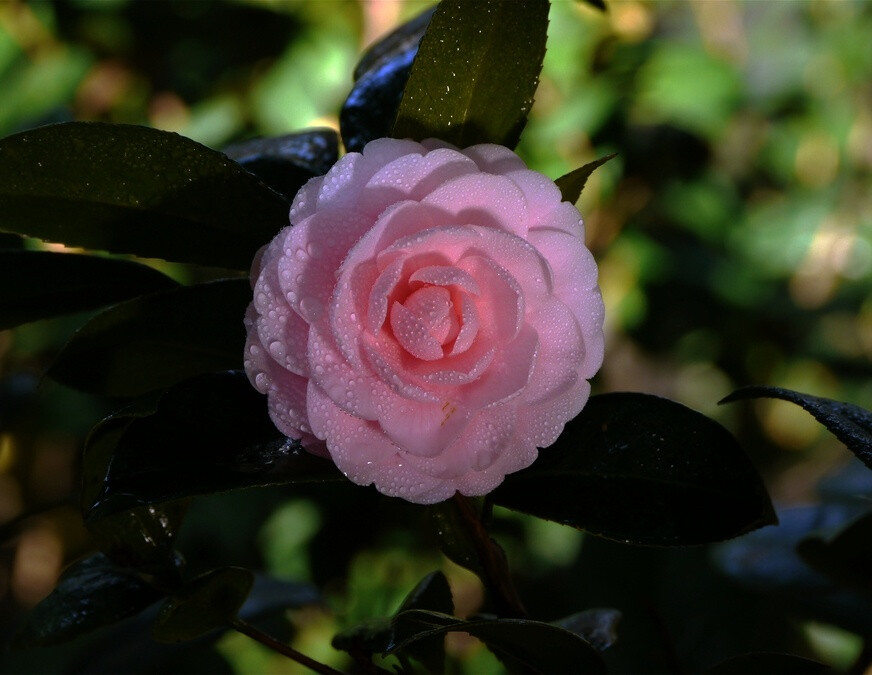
482 199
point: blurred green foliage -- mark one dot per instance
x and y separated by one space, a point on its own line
733 232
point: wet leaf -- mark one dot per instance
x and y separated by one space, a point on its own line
153 341
599 627
475 73
645 470
850 423
131 189
285 163
90 594
379 79
39 285
208 434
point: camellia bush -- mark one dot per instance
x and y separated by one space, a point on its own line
400 323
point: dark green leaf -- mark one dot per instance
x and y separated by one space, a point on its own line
143 538
846 557
380 77
130 189
849 423
599 627
39 285
768 664
645 470
153 341
92 593
285 163
206 603
572 183
537 647
455 539
209 434
374 636
475 74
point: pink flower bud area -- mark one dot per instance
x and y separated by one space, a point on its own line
428 320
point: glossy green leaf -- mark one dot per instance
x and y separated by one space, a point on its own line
285 163
206 603
209 434
475 74
599 627
90 594
572 183
764 663
379 79
846 557
153 341
38 284
131 189
537 647
644 470
850 423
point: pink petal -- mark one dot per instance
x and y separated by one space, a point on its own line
423 429
494 158
351 388
412 177
349 308
469 324
484 200
377 310
507 375
500 303
540 192
414 334
564 217
312 251
444 275
561 351
382 354
540 424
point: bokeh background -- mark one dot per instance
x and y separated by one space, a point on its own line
733 233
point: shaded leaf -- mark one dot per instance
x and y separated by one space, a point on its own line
206 603
285 163
153 341
849 423
375 636
598 627
475 73
766 561
598 4
644 470
379 79
536 646
455 539
209 434
131 189
764 663
845 557
572 183
90 594
38 284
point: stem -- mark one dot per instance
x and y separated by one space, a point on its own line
286 650
498 579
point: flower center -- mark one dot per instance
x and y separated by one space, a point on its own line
425 322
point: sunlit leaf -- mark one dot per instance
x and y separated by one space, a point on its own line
475 74
645 470
209 434
209 602
153 341
285 163
572 183
39 285
379 79
131 189
850 423
92 593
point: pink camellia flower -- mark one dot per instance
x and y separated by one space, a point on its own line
428 320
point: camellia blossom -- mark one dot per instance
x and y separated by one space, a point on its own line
428 320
